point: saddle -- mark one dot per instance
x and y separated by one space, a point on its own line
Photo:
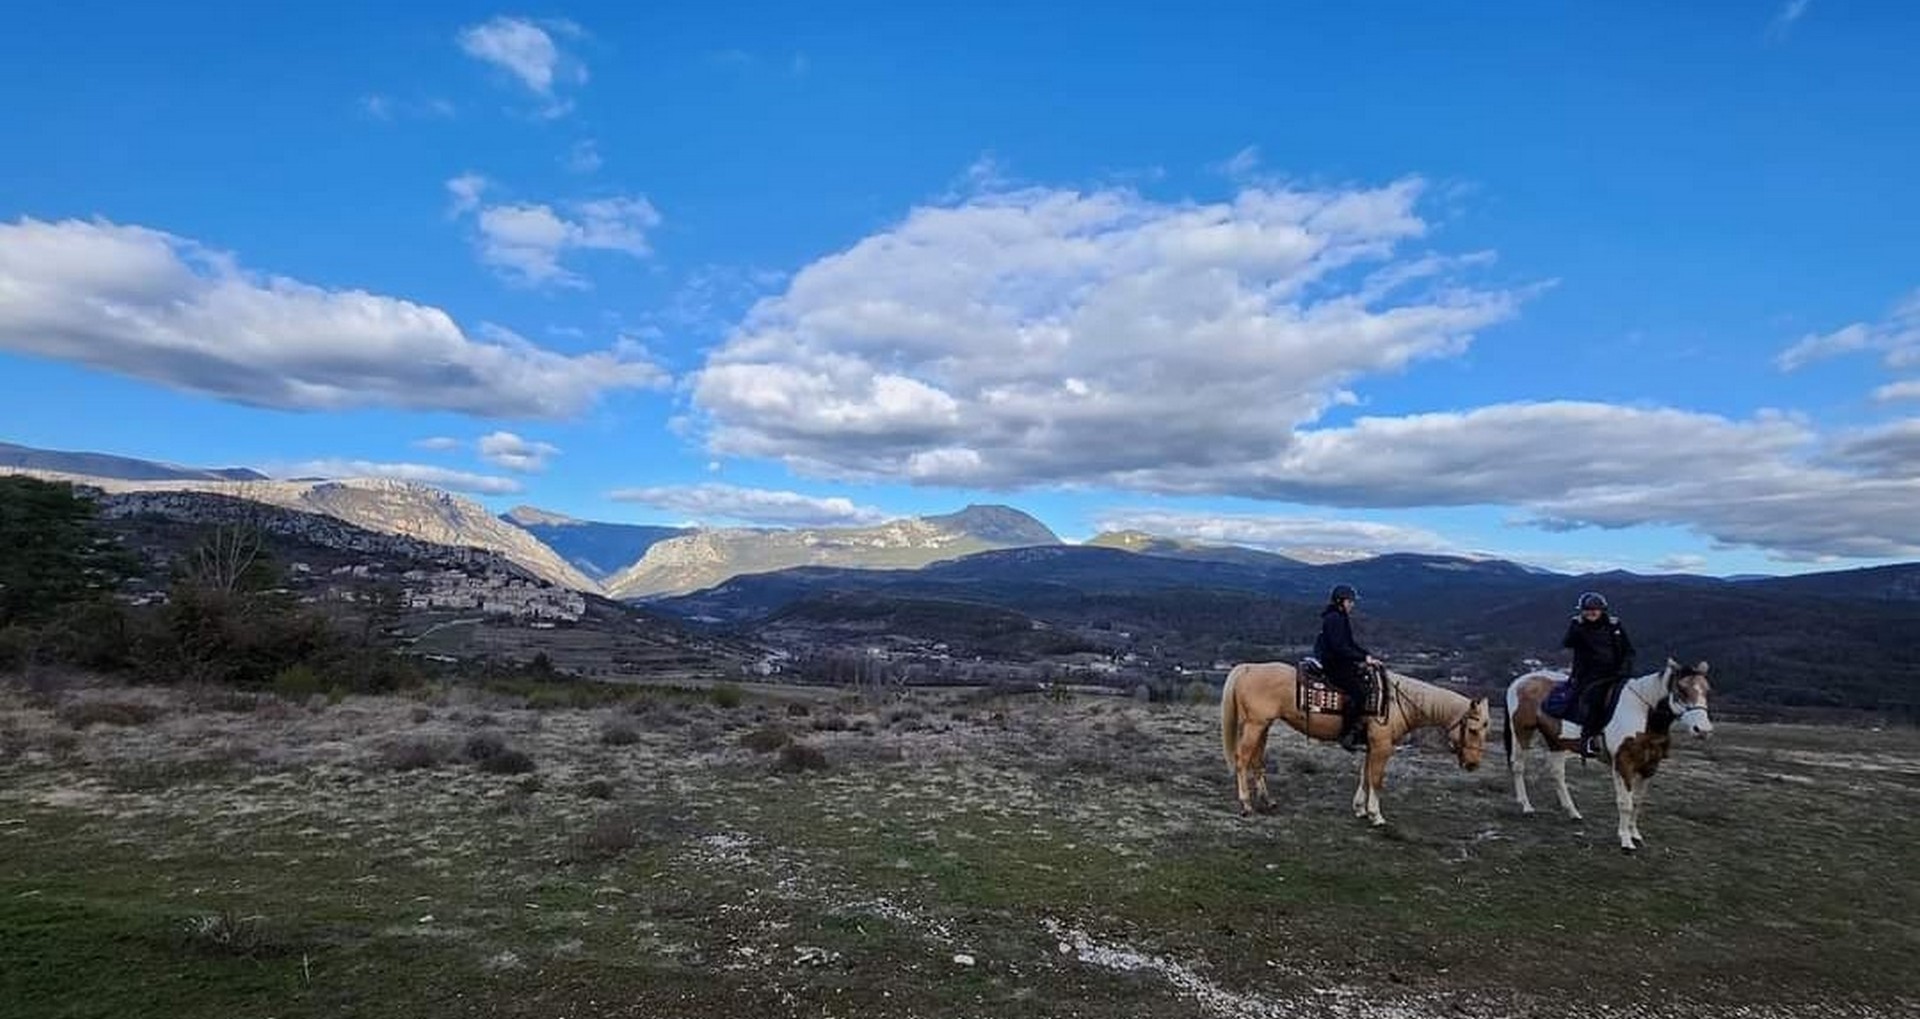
1313 694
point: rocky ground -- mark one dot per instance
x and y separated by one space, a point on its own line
645 851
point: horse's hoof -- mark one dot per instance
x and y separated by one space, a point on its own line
1379 822
1629 850
1526 811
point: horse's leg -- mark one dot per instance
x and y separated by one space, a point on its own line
1376 777
1242 766
1265 802
1639 804
1560 789
1360 791
1623 796
1517 763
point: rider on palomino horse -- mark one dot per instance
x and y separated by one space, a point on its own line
1602 658
1344 659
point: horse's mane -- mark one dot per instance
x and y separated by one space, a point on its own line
1429 698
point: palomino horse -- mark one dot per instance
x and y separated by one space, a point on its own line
1636 738
1257 693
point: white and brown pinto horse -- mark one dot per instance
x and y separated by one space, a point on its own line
1636 739
1258 693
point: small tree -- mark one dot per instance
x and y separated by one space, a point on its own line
51 554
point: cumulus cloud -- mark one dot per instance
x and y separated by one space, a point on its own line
1048 336
753 505
529 53
1896 338
1279 533
439 477
150 305
438 444
525 241
1907 389
505 449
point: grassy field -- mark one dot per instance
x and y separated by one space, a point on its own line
660 853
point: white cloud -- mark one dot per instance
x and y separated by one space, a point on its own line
505 449
753 505
440 477
1243 163
528 51
1681 562
438 444
386 107
1896 338
524 242
465 191
1790 12
1197 336
153 306
584 157
1278 533
1906 389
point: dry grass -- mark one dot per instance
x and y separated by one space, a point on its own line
685 874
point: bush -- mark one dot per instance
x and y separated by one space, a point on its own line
420 714
597 789
801 757
727 695
619 734
412 754
297 682
81 714
612 834
766 739
507 762
484 745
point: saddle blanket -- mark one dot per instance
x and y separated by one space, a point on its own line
1315 694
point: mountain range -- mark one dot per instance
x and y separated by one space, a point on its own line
1847 636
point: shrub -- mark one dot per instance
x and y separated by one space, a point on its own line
766 739
727 695
297 682
507 762
612 833
81 714
597 789
411 754
619 734
801 757
420 714
484 745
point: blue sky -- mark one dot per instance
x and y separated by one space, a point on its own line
1632 284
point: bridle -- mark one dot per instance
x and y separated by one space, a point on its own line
1679 709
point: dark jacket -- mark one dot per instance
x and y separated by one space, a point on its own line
1601 650
1335 647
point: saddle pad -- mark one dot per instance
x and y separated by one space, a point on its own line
1319 696
1559 699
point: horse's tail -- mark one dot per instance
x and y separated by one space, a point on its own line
1506 724
1506 733
1230 717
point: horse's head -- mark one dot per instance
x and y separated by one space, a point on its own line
1468 736
1687 691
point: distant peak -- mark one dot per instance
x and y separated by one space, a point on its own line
535 516
998 523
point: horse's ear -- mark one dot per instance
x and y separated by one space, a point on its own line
1671 664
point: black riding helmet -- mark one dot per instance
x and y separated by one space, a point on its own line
1592 600
1342 592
